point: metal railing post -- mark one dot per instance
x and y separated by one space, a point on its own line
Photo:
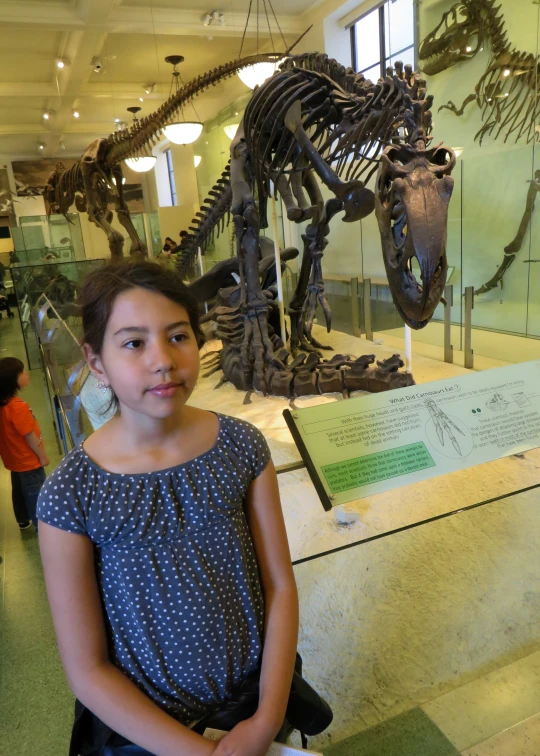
355 314
367 309
449 299
469 307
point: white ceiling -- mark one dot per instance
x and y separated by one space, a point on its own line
132 38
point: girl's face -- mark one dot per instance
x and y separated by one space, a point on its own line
150 356
23 380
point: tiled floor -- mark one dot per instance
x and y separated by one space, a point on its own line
521 740
35 703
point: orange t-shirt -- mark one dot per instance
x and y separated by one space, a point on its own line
17 421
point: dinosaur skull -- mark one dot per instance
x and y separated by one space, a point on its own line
459 36
413 190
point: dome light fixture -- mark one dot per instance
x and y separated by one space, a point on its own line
62 63
141 163
48 114
255 75
231 129
181 132
197 160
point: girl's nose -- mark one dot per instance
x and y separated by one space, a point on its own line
162 358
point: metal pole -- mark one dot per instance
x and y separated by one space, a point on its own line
355 315
469 307
278 272
449 299
201 269
408 348
367 309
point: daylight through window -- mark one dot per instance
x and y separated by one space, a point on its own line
382 36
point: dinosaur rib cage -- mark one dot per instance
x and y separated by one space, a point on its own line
510 105
349 127
68 183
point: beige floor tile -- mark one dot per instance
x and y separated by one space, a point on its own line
476 712
521 740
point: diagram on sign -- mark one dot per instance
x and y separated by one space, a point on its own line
497 403
449 436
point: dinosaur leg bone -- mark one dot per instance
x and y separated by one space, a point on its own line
138 248
358 201
257 352
310 287
98 212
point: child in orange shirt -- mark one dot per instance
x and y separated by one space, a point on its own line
21 446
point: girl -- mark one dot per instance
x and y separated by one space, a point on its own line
21 446
162 539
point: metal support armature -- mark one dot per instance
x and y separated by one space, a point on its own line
469 307
367 309
449 303
355 314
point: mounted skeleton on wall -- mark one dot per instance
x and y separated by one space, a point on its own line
507 93
315 121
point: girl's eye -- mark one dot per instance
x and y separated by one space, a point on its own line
179 337
133 344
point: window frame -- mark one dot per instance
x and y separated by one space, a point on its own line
384 59
170 173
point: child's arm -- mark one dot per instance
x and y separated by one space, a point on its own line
36 444
265 519
68 563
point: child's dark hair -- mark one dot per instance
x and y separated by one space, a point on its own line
10 370
102 286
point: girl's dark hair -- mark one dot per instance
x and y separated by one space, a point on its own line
10 370
102 286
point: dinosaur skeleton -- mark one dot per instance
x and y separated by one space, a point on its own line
97 179
316 119
507 93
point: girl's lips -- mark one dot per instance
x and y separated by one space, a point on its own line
165 389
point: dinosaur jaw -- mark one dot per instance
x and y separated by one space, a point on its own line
458 37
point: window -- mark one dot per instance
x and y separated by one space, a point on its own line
382 36
170 169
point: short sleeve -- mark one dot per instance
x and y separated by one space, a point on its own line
60 503
260 454
22 418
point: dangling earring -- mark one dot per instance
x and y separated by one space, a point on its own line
102 387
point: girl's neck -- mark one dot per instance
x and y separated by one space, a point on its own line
140 430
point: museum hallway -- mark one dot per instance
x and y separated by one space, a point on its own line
494 715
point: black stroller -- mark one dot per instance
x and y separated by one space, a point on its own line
4 304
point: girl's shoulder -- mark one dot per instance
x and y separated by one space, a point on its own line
247 441
63 499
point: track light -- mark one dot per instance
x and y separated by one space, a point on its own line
98 65
62 63
75 113
48 114
141 99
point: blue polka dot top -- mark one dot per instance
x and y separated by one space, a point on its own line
176 566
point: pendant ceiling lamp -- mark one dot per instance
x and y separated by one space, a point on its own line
143 163
231 129
255 75
181 132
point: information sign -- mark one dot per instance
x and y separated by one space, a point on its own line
370 444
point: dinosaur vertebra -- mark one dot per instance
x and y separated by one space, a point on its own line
316 118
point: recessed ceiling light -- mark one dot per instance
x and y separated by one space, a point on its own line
76 114
141 99
48 114
468 49
506 72
117 120
62 62
41 146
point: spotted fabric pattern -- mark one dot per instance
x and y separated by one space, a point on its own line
176 566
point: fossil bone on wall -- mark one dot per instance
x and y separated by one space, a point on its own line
490 196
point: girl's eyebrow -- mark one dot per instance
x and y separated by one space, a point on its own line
144 329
